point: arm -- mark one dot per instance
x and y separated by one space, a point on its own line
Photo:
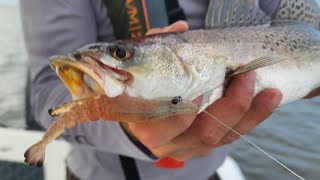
58 27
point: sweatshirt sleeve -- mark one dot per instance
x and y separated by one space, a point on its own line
54 27
268 6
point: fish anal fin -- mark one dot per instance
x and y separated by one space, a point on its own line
255 64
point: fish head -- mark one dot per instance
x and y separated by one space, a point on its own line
119 67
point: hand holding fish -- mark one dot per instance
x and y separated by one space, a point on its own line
186 137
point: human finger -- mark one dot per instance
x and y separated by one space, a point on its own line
179 26
228 109
192 152
261 108
313 93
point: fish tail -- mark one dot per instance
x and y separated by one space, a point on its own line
35 155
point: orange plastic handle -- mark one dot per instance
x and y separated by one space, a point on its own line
169 163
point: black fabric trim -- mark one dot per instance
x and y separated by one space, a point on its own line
174 11
215 177
144 149
140 146
129 168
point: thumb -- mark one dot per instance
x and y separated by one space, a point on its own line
179 26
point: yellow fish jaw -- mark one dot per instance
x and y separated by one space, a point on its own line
78 77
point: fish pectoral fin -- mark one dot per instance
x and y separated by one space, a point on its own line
255 64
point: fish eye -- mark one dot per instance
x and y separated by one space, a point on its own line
121 53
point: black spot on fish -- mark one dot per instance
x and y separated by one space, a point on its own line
176 100
264 47
284 5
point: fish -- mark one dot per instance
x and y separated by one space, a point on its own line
284 51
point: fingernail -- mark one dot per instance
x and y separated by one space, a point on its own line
251 76
275 98
198 100
250 79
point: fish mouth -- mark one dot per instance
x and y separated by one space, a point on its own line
84 75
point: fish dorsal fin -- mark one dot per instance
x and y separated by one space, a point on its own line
255 64
230 13
305 11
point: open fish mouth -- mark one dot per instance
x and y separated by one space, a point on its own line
84 75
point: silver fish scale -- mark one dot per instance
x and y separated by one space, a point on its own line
264 40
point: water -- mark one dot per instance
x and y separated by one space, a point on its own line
12 67
291 134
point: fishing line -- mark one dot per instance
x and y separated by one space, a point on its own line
256 146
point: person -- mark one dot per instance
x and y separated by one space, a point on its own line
111 150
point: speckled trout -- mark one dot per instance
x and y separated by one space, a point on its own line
179 67
285 56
